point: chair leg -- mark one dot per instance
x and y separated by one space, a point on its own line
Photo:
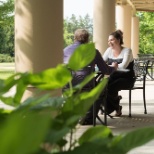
94 117
145 109
103 110
130 103
103 123
105 116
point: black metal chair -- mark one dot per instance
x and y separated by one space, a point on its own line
141 70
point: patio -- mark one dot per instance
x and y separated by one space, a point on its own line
125 124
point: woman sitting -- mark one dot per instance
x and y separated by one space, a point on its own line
123 78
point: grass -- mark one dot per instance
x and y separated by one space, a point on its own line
6 70
5 74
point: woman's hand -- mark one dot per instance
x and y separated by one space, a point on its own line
115 65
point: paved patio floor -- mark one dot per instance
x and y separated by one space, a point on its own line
125 124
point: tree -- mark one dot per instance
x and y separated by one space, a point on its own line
146 41
6 11
7 27
73 23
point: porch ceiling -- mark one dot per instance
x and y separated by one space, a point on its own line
138 5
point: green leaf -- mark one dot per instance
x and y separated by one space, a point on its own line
47 102
95 133
87 148
134 139
82 56
88 98
7 100
95 147
55 135
76 89
50 79
84 82
79 103
20 89
6 85
23 133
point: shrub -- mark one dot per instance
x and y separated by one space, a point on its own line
6 58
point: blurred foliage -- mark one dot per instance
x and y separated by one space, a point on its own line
46 124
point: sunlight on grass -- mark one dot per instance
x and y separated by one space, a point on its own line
6 70
6 74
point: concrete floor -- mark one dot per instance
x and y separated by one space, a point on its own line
126 124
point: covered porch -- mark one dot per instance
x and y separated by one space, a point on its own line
39 30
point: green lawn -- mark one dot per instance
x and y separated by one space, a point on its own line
5 74
6 70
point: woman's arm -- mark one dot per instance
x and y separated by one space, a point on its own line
127 58
101 64
106 54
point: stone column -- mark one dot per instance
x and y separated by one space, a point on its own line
38 35
135 36
123 22
104 22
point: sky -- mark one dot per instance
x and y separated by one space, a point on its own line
78 8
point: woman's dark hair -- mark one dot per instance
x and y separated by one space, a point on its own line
81 35
118 34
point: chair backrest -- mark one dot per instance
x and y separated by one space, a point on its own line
140 69
80 75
